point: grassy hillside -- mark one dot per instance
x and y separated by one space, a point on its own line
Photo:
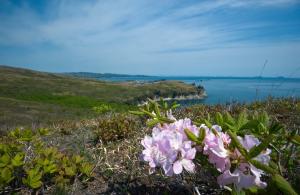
28 96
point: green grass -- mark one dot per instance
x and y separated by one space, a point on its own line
28 96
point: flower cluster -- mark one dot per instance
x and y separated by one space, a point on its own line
170 148
215 144
245 175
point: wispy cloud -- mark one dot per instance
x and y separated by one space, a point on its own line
122 35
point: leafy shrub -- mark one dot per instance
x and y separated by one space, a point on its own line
238 148
27 162
65 127
115 127
102 108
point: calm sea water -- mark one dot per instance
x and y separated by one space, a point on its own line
225 90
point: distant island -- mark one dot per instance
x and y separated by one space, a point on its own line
112 76
100 75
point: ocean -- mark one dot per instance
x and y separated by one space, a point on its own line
221 90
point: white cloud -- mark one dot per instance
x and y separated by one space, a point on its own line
112 34
242 3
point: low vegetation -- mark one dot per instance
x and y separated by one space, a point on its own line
117 166
29 164
115 127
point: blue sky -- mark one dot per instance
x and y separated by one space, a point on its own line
165 37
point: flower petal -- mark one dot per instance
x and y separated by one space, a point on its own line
168 169
190 154
188 165
147 141
217 128
177 167
227 178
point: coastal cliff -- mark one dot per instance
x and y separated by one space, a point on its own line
198 94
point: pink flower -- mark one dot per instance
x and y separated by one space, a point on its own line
169 148
152 154
246 175
249 141
243 177
181 125
215 149
188 154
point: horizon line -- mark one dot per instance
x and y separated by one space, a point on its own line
146 75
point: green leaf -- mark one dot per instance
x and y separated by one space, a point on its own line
22 135
191 136
251 125
237 144
4 160
207 123
153 122
50 152
197 123
70 171
166 120
32 183
33 179
253 190
230 127
86 168
264 118
165 104
175 105
228 119
137 113
273 165
43 131
52 168
6 175
61 181
148 113
275 128
261 128
147 107
295 139
256 150
27 135
18 160
156 109
201 135
242 119
3 148
15 133
77 159
237 192
219 119
283 185
262 166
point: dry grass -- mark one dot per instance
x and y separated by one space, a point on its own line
119 168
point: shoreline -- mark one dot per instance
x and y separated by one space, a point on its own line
179 98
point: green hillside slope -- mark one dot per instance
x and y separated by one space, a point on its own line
27 95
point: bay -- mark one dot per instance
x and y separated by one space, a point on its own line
221 90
